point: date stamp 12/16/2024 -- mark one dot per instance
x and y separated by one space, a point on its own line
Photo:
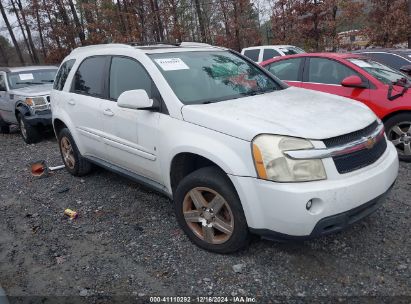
201 299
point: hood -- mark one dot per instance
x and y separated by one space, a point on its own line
293 112
34 90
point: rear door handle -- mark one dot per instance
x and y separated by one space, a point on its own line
71 102
108 112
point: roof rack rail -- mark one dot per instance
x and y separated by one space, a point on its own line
99 46
166 43
194 44
153 43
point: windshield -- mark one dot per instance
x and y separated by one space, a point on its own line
18 80
211 76
291 50
381 72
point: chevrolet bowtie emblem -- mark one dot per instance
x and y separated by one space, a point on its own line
370 143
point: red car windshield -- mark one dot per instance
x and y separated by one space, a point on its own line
381 72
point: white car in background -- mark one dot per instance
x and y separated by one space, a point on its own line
236 149
265 52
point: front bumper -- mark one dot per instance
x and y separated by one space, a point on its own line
39 118
281 207
330 224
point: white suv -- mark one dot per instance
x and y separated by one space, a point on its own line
236 149
265 52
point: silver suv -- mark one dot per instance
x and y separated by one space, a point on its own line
25 99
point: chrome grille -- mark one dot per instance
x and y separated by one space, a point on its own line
359 159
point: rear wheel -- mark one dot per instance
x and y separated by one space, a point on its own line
398 130
209 211
29 133
74 162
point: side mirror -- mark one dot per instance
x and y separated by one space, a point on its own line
353 82
135 99
406 69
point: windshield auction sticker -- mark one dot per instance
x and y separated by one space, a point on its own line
171 64
27 76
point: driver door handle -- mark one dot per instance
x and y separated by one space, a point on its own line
108 112
71 102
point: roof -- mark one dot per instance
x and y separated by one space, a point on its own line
149 48
27 68
324 55
400 52
269 46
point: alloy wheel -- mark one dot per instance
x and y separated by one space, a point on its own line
400 136
23 128
208 215
67 153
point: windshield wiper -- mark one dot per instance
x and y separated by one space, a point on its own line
29 82
253 93
50 80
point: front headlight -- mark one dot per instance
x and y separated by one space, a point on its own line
35 101
272 164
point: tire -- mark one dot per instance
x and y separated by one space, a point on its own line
74 162
398 130
29 133
4 127
216 191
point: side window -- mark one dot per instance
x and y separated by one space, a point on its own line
62 74
252 54
88 79
2 82
127 74
328 71
286 69
270 53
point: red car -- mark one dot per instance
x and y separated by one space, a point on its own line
381 88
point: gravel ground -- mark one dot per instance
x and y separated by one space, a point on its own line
126 244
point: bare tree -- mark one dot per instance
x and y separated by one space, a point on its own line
39 27
200 20
30 38
26 42
13 38
409 24
77 22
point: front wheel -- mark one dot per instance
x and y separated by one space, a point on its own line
398 130
209 211
29 133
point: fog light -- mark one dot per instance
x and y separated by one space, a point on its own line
309 204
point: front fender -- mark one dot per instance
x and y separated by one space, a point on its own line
22 109
231 154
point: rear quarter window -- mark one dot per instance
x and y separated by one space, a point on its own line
62 74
